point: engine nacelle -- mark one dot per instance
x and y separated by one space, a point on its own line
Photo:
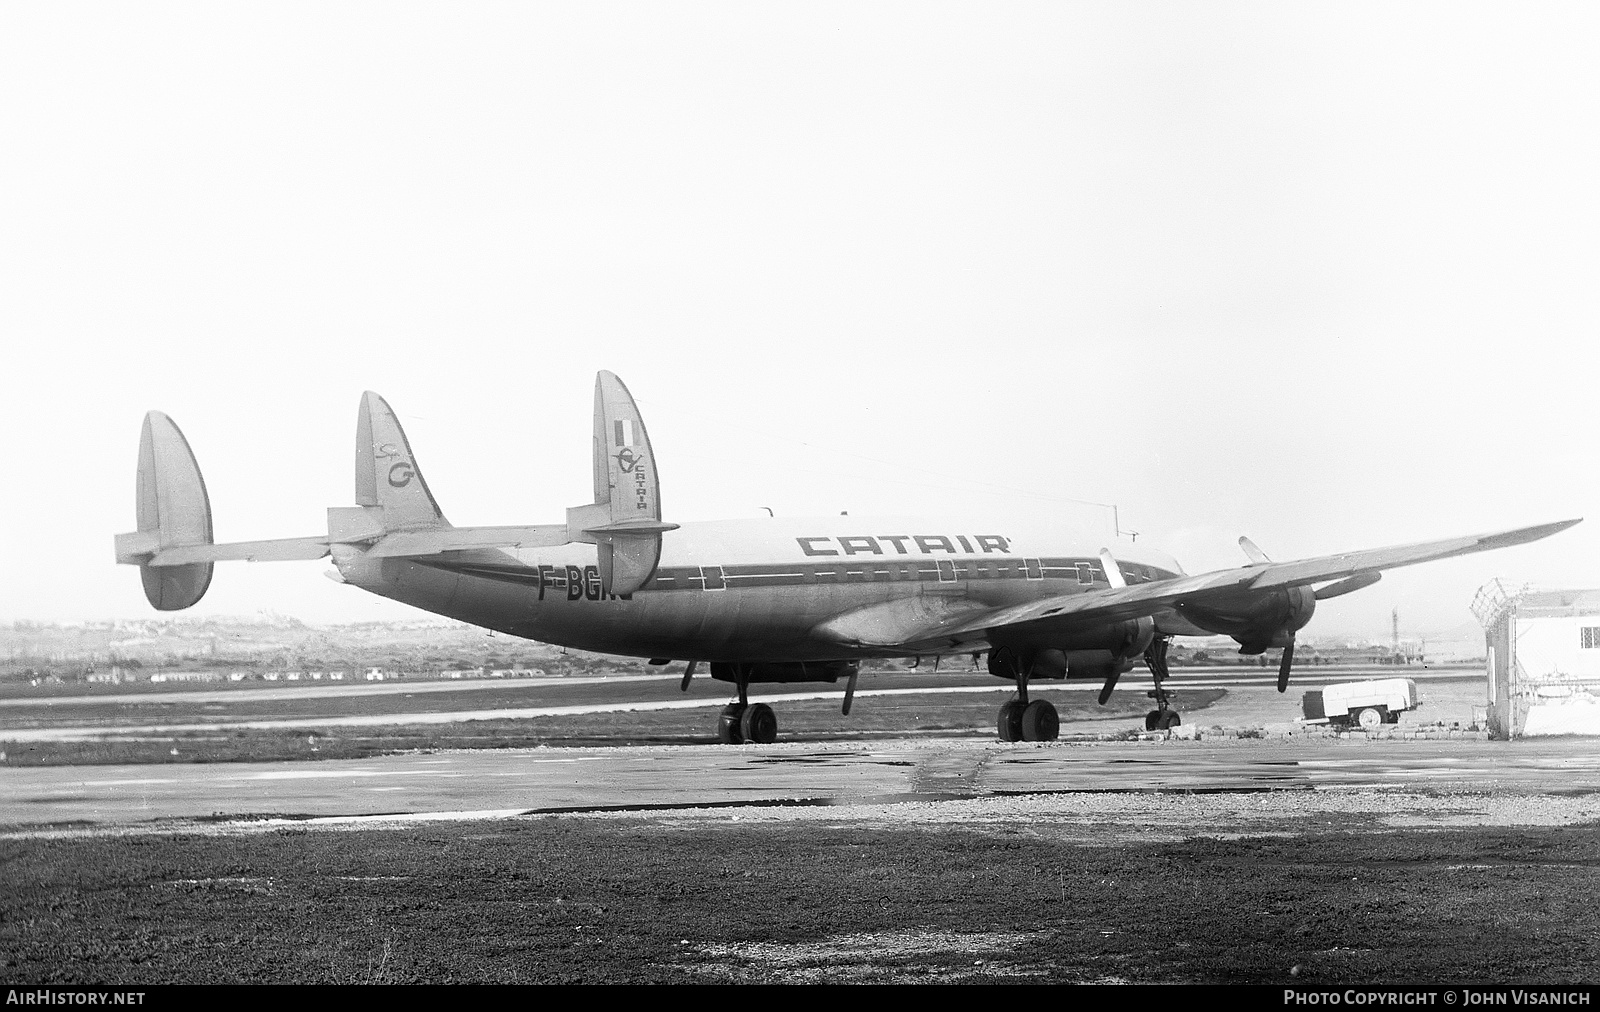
1097 653
785 671
1257 621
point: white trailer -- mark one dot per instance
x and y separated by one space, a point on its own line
1368 704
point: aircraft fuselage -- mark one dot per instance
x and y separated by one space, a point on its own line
751 590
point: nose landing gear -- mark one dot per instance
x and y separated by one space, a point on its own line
1163 717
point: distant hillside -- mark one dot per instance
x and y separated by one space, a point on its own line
31 649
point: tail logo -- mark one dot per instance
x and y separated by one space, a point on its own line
400 474
626 460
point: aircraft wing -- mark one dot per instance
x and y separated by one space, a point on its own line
958 624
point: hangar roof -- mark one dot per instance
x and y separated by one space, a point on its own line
1551 603
1495 600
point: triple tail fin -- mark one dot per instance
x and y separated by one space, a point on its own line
625 520
172 509
624 464
387 474
396 514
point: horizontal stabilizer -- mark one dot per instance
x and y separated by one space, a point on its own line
456 539
279 550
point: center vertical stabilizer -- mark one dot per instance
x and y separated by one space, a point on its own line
387 474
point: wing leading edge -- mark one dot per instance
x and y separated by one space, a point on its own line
916 630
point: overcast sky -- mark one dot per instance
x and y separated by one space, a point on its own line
1324 274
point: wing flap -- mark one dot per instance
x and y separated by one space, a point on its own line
1106 605
892 623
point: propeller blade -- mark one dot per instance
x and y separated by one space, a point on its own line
1112 570
1111 683
1257 556
1346 585
1283 667
688 673
849 692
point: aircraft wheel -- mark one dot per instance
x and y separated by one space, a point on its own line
758 724
1010 724
1039 721
728 730
1161 720
1370 718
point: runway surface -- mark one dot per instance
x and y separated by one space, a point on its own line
1447 686
578 779
315 690
1196 676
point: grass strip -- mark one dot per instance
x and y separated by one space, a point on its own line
647 900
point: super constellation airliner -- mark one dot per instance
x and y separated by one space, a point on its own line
768 599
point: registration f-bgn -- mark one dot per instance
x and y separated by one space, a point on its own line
762 600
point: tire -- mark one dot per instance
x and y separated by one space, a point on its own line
758 724
728 731
1010 723
1370 719
1152 720
1039 721
1170 720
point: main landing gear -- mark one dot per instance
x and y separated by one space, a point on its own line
745 721
1163 716
1020 719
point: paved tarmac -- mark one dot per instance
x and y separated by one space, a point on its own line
317 690
840 773
551 780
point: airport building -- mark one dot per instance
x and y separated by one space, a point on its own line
1543 660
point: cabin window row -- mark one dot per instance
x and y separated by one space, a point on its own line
941 571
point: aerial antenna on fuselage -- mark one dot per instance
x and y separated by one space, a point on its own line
1116 523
